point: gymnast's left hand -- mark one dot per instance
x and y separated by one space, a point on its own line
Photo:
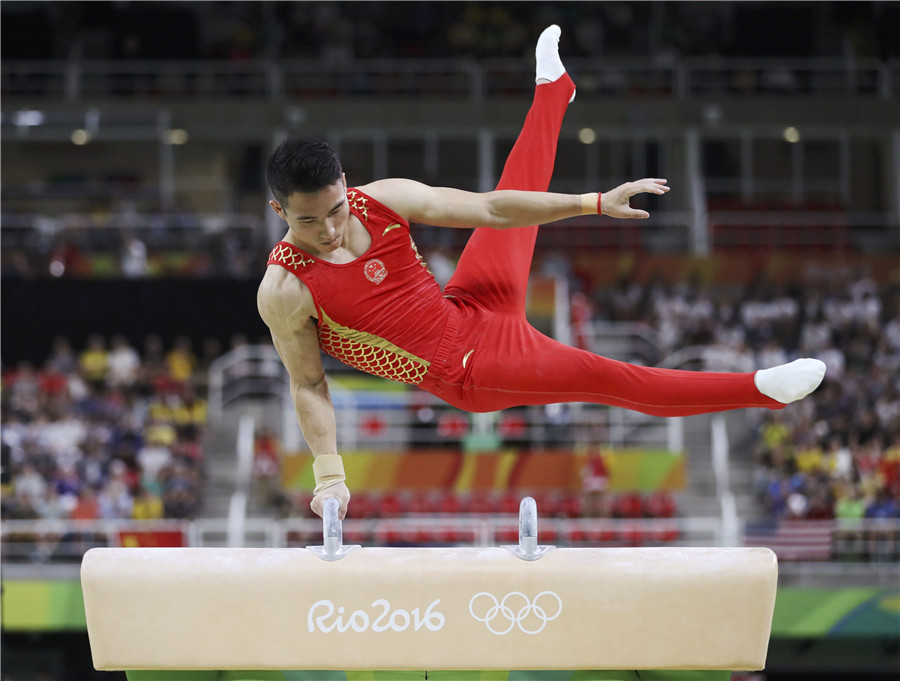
339 492
615 202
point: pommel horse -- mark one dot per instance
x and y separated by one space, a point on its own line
691 614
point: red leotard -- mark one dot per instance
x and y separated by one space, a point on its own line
471 345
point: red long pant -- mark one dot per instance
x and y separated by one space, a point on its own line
491 358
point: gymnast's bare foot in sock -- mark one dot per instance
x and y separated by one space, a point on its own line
549 66
790 382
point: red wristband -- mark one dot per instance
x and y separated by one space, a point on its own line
599 199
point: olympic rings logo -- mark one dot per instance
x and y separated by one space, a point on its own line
515 610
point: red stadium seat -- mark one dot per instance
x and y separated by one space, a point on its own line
362 506
509 504
665 532
451 504
482 503
388 534
448 535
660 504
605 534
507 535
577 535
389 506
572 506
632 535
421 503
547 533
417 535
548 504
629 505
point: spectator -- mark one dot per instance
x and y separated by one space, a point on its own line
883 506
189 415
30 485
79 437
124 363
594 485
52 506
94 362
180 503
266 463
134 256
87 507
147 506
62 357
115 500
152 458
181 360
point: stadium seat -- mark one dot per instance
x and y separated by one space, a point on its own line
629 505
660 504
572 506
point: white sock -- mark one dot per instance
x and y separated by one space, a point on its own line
790 382
549 65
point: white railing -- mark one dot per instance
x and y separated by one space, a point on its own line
409 418
237 507
40 541
245 370
722 474
395 419
458 78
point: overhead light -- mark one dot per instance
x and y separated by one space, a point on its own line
791 135
80 137
28 118
175 136
57 268
587 136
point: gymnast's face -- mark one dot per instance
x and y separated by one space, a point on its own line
318 221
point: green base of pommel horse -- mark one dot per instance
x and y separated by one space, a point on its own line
515 613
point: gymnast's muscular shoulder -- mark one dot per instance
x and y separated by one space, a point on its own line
284 302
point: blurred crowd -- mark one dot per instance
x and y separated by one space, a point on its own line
106 431
110 432
836 453
342 31
106 240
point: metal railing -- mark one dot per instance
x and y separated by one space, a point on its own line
392 419
80 79
248 370
62 541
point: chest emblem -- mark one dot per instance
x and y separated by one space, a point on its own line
375 271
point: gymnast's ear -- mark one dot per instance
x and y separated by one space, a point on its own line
278 210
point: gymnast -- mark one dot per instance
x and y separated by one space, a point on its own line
347 279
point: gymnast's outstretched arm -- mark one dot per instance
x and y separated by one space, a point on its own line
504 209
287 308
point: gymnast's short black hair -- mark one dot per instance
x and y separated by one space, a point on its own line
302 165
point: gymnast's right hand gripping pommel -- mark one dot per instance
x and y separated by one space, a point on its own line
330 483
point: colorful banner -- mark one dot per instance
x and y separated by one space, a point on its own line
43 605
151 538
57 605
852 611
628 470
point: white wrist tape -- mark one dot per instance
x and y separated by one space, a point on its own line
589 204
328 470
